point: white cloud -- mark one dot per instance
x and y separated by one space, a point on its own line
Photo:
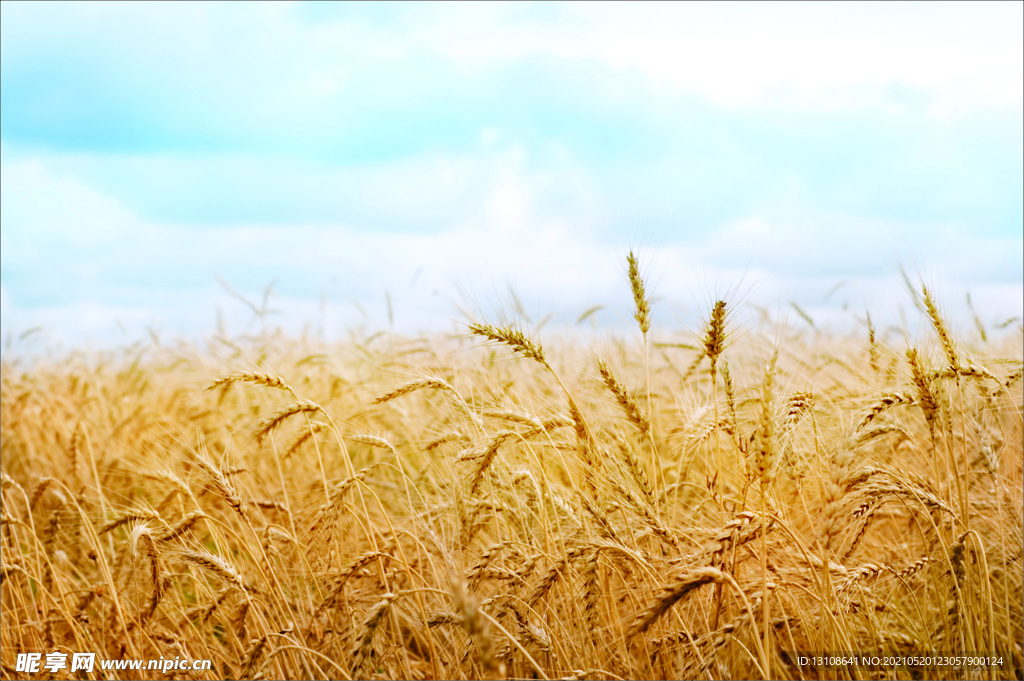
811 242
163 274
954 57
780 55
81 246
63 212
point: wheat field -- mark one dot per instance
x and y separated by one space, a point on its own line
708 503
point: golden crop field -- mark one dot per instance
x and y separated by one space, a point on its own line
712 503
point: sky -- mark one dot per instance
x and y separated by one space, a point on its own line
408 166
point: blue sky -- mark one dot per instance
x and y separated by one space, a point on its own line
444 152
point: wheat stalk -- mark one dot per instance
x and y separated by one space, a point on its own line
253 655
266 380
639 475
714 336
882 404
641 301
512 337
940 328
266 427
214 564
142 534
625 401
127 517
183 526
337 580
872 346
672 594
514 416
364 640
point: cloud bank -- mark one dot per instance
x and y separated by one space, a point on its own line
436 154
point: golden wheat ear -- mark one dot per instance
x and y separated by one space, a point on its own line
626 402
714 335
641 301
513 338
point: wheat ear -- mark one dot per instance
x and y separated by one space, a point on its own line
625 401
364 641
266 380
512 337
672 594
215 564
